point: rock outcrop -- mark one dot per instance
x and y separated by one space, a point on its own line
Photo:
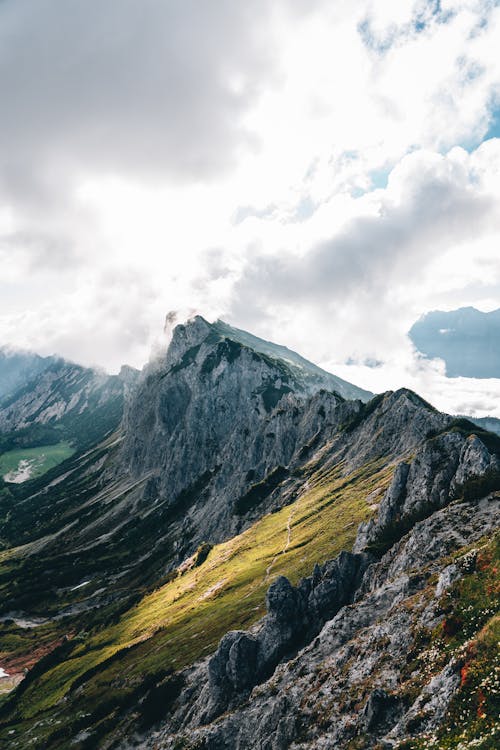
437 474
294 615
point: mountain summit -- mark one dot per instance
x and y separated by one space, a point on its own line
302 375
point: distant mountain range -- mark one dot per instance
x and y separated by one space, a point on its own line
50 408
19 367
466 339
244 551
487 423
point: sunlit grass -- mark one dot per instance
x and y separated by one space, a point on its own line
184 619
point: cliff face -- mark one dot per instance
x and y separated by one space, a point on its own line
217 426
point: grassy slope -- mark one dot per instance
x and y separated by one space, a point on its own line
44 457
185 618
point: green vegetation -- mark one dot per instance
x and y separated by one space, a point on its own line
33 462
226 349
271 396
187 359
185 618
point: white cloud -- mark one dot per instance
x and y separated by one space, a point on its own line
232 158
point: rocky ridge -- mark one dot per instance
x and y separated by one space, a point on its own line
141 550
384 607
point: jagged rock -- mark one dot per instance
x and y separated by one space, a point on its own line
294 615
366 642
233 667
475 461
432 479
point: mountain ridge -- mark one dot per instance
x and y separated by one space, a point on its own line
143 562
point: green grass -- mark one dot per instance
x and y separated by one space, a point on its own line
41 459
184 619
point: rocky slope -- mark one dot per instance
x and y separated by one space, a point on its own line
386 671
354 680
250 561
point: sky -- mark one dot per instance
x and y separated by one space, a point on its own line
321 173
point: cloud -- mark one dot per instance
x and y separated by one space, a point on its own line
429 238
143 86
430 205
289 165
149 91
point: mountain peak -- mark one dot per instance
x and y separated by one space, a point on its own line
306 376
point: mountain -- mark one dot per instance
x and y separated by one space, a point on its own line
17 368
305 375
62 395
466 339
58 409
487 423
252 560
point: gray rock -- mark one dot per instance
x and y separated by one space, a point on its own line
359 657
432 480
446 578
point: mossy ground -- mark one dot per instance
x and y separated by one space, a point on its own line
184 619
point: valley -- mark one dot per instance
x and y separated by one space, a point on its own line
19 465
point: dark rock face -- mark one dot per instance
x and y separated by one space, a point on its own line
233 667
380 708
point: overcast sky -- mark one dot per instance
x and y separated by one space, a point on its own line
318 172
